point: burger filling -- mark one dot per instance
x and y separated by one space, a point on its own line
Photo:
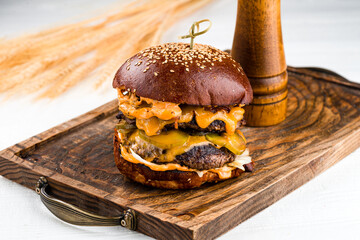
168 136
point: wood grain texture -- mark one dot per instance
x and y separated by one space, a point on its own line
322 127
258 47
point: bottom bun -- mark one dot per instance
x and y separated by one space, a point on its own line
173 179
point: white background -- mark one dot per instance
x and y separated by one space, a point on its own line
324 33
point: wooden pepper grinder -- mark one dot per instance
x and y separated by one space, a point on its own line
258 47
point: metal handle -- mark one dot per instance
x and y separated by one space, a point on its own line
75 215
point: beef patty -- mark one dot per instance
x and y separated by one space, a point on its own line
216 126
205 157
198 157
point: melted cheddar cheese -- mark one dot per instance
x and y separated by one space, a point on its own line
131 107
152 116
154 125
134 158
193 141
204 118
171 152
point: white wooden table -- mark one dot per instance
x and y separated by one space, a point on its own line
323 33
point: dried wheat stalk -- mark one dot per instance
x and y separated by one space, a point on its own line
55 60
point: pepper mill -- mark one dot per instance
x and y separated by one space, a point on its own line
258 47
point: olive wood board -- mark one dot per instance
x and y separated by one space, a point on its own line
321 128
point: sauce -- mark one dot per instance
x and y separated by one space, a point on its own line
155 115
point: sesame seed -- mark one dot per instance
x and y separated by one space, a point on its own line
187 69
172 70
155 73
180 53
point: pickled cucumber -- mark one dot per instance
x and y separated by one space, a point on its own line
166 140
234 142
216 139
124 127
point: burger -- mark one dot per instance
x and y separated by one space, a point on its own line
181 111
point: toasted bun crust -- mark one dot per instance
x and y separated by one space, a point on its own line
166 179
173 73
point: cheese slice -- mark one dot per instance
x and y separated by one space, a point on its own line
132 107
152 116
153 125
193 141
205 117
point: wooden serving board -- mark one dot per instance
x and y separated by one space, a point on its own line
321 128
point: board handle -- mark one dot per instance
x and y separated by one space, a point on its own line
77 216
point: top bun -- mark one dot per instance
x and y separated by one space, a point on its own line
173 72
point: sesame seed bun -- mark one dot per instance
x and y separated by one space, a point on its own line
172 72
